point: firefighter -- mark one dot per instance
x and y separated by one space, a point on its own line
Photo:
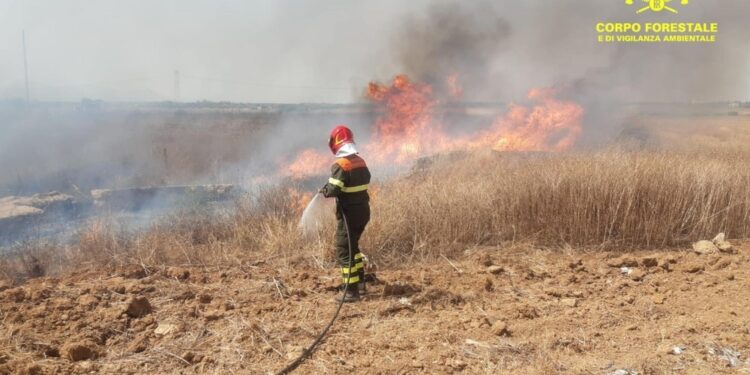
348 182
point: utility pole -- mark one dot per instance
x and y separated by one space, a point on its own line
25 64
176 86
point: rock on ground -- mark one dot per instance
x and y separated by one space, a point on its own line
705 247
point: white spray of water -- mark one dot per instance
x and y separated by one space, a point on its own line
315 215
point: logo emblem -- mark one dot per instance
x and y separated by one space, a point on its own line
657 5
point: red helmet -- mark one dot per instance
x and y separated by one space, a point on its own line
340 135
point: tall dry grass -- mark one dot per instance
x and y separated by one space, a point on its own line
613 200
609 200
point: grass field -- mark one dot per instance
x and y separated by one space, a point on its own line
664 185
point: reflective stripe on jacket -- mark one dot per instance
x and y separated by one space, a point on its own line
349 180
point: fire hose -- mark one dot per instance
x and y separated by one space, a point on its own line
311 349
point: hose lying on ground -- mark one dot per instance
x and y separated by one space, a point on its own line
309 351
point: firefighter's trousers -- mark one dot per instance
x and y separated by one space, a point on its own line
357 216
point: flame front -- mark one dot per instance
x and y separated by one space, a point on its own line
405 131
308 163
406 128
550 125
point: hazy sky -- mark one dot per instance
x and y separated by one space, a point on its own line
291 51
260 50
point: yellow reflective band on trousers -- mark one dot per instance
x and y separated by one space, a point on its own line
350 280
347 270
354 189
336 182
358 256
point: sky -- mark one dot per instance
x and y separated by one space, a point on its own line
327 50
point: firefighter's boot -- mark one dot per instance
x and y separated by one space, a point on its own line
351 295
350 281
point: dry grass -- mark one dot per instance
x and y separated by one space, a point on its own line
610 200
613 200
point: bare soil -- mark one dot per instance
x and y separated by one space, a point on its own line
490 310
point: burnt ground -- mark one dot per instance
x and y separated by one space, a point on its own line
491 310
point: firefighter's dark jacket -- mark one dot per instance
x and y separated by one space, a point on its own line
349 181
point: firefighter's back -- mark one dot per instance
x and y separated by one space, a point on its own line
356 178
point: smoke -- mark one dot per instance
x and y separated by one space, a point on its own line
499 50
452 39
517 45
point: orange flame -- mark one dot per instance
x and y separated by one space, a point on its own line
406 131
308 163
406 128
551 125
299 199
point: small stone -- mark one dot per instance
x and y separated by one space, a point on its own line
658 299
637 274
500 328
721 237
569 302
694 267
725 247
705 247
164 329
405 301
495 270
294 352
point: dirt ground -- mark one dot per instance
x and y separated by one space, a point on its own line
512 310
